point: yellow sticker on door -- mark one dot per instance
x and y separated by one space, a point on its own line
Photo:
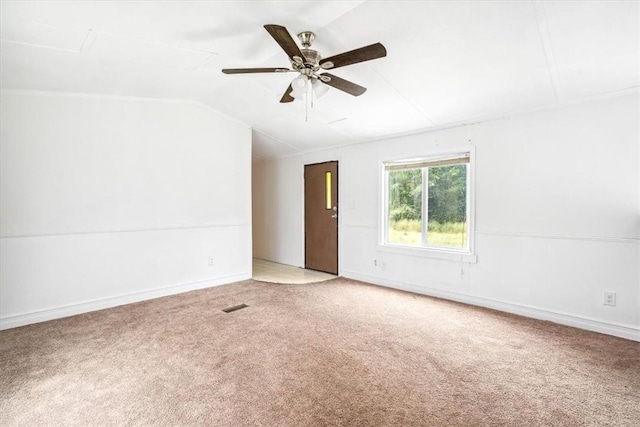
327 189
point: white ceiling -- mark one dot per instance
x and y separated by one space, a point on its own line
447 62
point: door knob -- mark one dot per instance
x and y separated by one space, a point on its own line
334 216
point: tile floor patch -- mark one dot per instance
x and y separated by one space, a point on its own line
272 272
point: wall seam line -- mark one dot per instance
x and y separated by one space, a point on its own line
132 230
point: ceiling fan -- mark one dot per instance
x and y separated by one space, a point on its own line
309 63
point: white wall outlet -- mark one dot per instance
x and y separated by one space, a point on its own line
375 262
211 262
609 298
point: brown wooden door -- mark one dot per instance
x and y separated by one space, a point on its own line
321 217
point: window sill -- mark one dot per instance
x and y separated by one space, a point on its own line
442 254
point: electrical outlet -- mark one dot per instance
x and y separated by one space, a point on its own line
609 299
375 262
211 262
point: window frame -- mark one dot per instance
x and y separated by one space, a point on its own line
466 254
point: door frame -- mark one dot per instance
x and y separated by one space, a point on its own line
337 159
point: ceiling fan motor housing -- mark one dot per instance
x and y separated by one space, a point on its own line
310 65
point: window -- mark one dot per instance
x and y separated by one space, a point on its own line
427 202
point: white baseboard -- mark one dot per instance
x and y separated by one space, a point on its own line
13 321
623 331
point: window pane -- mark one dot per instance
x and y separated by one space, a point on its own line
405 207
447 206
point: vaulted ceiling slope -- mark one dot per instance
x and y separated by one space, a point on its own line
448 62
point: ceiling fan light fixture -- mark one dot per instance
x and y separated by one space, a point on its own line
299 85
319 89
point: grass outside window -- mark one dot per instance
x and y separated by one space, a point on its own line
407 232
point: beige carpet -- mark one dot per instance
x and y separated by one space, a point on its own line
336 353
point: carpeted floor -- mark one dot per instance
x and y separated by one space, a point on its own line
335 353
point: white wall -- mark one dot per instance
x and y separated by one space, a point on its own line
557 215
106 201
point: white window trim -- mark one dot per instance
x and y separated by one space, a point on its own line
451 254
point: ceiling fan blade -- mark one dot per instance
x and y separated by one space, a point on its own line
255 70
286 42
342 84
366 53
287 95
